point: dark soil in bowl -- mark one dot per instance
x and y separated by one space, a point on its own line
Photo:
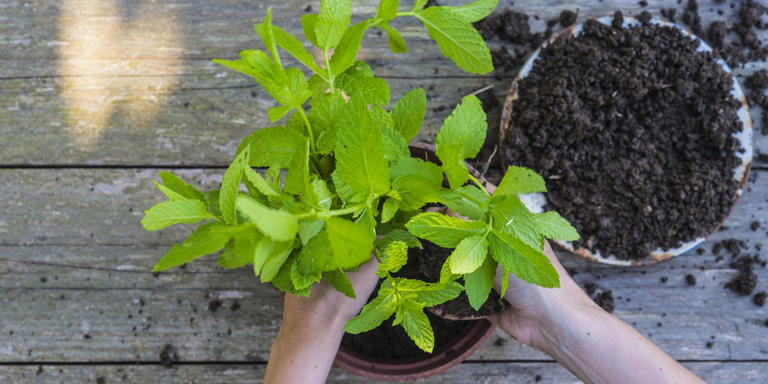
632 129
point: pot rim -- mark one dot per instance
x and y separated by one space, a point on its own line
438 362
536 202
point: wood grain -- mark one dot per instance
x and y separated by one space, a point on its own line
205 110
74 250
486 373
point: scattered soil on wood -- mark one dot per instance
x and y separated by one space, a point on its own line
168 356
602 297
745 281
690 279
632 129
759 298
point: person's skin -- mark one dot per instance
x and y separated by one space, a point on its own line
594 345
312 328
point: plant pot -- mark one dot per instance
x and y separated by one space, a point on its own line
442 359
536 202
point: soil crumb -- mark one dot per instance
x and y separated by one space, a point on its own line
168 356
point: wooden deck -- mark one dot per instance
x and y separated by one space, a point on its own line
98 96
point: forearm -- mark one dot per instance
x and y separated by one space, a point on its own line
599 348
304 350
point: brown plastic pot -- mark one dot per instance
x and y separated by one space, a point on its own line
440 360
536 202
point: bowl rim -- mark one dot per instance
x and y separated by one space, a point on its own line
536 202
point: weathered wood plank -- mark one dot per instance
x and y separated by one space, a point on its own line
104 206
486 373
159 100
128 314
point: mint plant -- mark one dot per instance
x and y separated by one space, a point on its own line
340 184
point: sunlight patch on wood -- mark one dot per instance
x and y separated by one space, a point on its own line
105 61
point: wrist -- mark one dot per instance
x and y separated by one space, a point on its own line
309 314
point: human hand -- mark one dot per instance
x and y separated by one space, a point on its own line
326 305
533 309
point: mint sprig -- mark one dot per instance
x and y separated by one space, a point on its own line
339 184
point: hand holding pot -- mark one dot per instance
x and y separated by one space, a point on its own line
593 344
312 329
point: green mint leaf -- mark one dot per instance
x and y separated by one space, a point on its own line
326 111
360 161
344 55
395 146
277 224
512 217
206 239
445 231
257 182
467 201
295 48
316 256
297 178
272 146
387 9
269 257
172 212
395 39
398 235
287 86
457 38
169 193
345 192
309 229
504 281
266 33
213 203
321 195
411 166
175 184
308 24
410 315
469 254
358 82
554 226
339 280
282 280
351 243
394 257
415 191
332 21
227 259
430 294
445 273
523 261
389 209
418 5
375 312
474 12
519 181
461 137
276 113
230 185
408 113
479 283
302 280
